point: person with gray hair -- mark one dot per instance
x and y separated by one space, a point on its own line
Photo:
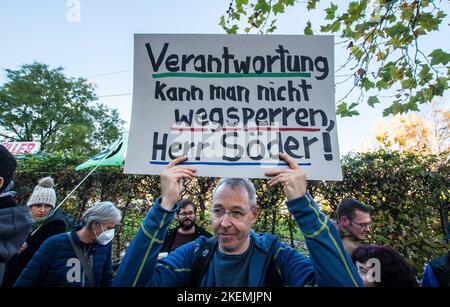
80 258
236 256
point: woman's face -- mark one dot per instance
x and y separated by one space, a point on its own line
39 211
98 228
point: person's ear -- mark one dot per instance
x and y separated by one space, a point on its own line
92 226
344 221
2 181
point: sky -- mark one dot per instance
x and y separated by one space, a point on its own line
99 46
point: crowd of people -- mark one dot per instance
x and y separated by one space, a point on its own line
40 246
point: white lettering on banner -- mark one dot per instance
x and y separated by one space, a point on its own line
74 273
374 274
20 148
232 103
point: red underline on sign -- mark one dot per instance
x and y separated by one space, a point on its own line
248 129
283 129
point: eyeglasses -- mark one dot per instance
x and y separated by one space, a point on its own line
362 225
234 214
184 214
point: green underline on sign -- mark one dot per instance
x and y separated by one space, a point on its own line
231 75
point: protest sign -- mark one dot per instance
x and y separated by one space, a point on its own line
232 102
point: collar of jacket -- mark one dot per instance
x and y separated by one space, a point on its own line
259 258
77 240
7 201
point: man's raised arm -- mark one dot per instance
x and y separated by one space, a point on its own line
332 264
138 266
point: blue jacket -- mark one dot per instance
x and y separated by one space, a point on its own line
15 225
429 279
55 264
329 265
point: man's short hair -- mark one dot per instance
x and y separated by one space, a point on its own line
8 166
348 208
243 183
184 202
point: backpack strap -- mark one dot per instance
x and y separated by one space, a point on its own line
272 277
202 258
83 261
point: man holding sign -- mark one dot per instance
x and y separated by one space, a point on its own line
231 103
236 255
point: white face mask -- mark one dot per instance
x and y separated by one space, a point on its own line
105 237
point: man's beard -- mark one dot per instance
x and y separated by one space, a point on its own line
185 226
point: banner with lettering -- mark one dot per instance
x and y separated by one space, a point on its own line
231 103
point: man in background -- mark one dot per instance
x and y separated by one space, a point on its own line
186 231
353 222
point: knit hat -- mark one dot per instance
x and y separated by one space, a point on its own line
43 193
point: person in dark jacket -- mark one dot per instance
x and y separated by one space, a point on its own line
41 201
15 221
437 272
56 263
187 230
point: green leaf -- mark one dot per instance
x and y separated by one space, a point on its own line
382 85
357 52
233 29
308 30
222 22
397 108
331 11
373 100
381 56
278 7
367 84
441 15
336 26
344 111
408 83
428 21
439 56
240 3
325 28
262 6
311 4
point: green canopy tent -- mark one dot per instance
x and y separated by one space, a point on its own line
114 155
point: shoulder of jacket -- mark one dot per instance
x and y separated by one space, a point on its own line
60 238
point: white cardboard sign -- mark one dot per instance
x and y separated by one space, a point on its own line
231 103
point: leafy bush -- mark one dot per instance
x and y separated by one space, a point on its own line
407 193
